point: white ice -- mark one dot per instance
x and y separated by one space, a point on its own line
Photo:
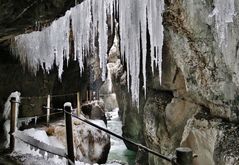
89 23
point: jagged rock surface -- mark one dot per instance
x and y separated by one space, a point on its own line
200 76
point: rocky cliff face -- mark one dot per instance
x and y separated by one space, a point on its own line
199 76
202 78
209 72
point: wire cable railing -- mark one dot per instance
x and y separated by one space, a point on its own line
68 114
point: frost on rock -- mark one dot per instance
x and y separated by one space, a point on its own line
89 28
99 24
223 12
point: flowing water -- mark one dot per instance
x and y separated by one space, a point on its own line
118 150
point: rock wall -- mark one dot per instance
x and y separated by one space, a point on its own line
192 39
202 78
198 77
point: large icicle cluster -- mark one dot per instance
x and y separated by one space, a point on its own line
46 46
135 17
224 12
89 22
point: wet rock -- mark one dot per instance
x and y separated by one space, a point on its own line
94 110
155 129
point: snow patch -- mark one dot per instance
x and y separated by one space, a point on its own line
7 105
67 104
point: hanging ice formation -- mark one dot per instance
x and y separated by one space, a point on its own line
43 47
133 18
223 12
89 21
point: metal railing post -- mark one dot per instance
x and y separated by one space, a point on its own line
184 156
13 124
69 132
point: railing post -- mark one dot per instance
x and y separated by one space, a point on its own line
69 132
98 94
13 122
78 104
48 106
87 95
90 95
184 156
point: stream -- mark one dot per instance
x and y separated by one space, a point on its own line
118 150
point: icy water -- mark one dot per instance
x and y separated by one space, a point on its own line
118 150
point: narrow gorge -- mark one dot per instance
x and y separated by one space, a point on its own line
169 66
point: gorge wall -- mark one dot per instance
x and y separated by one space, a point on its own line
196 105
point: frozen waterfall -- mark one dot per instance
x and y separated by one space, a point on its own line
89 24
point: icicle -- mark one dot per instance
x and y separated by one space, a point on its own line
133 18
99 23
110 13
43 47
224 12
143 24
81 28
60 32
154 11
89 22
103 46
35 120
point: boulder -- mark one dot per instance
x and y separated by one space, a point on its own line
110 102
94 110
91 144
